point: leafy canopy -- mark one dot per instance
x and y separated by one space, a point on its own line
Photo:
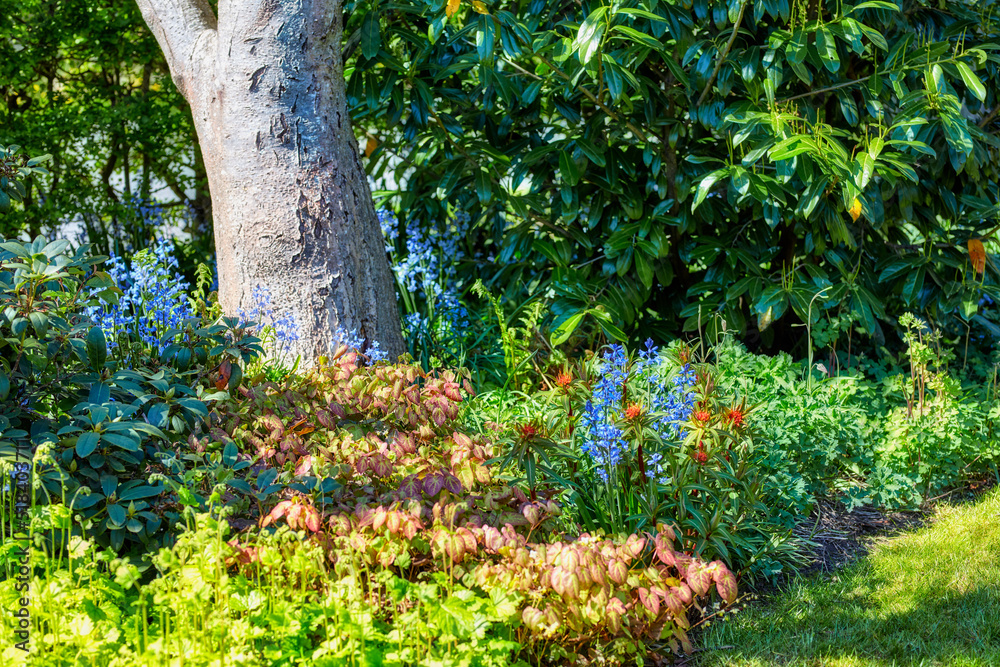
658 162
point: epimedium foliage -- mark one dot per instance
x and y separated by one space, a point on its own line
389 485
663 162
212 600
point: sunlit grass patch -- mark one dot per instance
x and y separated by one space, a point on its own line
931 597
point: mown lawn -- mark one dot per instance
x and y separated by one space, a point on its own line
927 598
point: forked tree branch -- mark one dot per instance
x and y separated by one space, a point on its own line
182 28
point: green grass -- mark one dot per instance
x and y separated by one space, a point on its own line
927 598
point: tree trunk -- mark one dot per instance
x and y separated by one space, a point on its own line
292 209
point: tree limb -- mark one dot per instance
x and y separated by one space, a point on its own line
989 118
725 52
828 89
180 28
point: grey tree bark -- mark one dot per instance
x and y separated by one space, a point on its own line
290 200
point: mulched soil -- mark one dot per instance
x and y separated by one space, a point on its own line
842 537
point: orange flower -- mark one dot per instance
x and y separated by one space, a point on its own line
702 415
528 431
700 457
736 417
633 411
563 380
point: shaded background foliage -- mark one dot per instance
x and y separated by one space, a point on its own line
642 165
87 83
668 161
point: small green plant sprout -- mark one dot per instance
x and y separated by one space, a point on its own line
923 348
516 341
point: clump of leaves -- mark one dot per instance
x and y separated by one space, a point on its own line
15 167
414 497
96 429
629 443
940 434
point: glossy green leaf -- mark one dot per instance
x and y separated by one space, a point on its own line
116 515
370 38
568 168
874 4
972 82
97 348
644 269
86 443
705 186
564 330
827 47
141 491
484 187
109 484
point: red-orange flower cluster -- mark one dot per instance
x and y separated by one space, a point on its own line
700 457
633 411
528 431
563 380
736 417
702 415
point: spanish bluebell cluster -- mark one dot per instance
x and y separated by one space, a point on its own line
153 302
390 228
149 212
604 441
262 320
261 316
355 341
427 270
669 403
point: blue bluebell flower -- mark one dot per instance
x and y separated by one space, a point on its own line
354 341
669 403
426 272
604 441
153 301
261 316
390 226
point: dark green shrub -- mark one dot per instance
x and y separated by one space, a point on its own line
94 429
